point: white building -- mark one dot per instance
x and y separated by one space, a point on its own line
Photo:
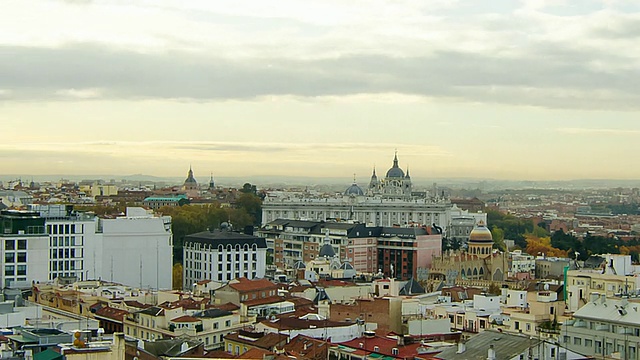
223 255
135 249
521 263
386 202
24 248
604 328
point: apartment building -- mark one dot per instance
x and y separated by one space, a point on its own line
223 255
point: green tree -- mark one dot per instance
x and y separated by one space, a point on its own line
247 188
498 238
252 205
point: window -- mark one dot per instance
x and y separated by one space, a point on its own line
215 325
394 351
9 244
22 257
577 341
9 257
22 244
227 323
9 270
22 270
588 342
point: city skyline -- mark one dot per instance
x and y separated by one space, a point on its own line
527 90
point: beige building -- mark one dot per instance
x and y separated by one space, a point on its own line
480 262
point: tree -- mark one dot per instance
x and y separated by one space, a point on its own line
247 188
494 289
252 205
177 276
539 246
498 238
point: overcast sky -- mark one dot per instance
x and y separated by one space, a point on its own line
504 89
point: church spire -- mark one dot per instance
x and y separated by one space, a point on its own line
395 159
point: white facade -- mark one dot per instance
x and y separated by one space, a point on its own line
134 250
137 249
24 249
223 256
522 263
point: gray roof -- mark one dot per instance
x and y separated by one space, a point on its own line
610 311
412 287
224 238
411 232
326 251
354 189
506 346
212 313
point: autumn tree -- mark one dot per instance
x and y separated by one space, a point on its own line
177 276
542 245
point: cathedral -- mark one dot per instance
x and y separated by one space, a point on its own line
395 185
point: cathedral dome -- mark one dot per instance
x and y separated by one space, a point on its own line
480 234
354 189
395 171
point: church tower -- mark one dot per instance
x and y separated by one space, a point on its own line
190 183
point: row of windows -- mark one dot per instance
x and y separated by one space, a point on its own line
62 229
10 257
65 253
65 241
11 244
221 248
598 348
65 265
10 270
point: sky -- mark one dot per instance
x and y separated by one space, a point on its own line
506 89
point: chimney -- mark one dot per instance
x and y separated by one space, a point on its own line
400 340
491 353
603 298
461 347
593 297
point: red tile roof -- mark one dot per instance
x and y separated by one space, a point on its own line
112 313
185 319
255 353
227 307
243 284
385 346
259 340
268 300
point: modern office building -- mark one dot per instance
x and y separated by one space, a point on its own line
135 249
24 250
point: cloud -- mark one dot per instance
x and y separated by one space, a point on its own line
599 132
244 50
551 77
